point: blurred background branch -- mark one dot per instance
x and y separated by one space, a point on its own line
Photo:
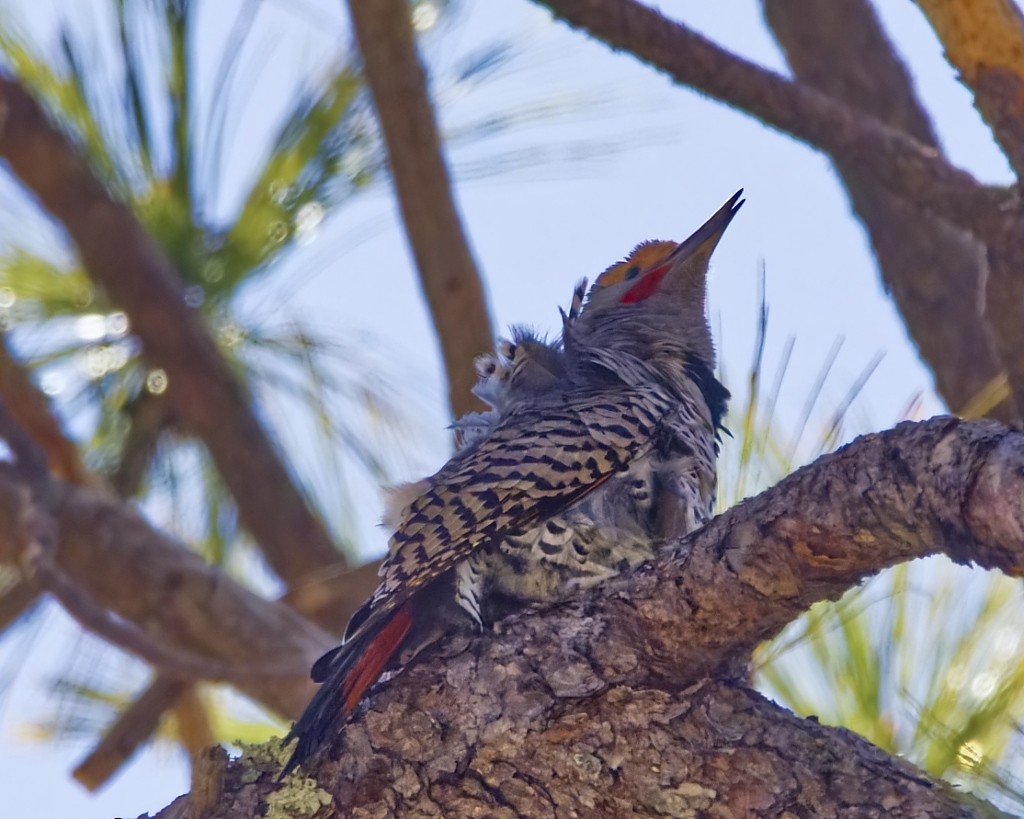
121 257
448 273
931 268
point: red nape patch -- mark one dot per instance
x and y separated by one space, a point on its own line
375 659
645 288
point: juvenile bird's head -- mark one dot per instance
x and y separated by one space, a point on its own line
534 365
657 295
519 369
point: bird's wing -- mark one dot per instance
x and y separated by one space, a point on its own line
535 463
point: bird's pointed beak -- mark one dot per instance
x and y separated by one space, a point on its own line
691 255
705 239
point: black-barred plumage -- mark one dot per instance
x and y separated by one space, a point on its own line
608 453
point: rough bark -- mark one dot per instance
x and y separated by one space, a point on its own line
933 271
448 274
138 277
984 41
630 701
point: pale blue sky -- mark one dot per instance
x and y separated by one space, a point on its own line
537 230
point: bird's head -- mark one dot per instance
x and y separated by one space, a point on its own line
533 364
518 369
658 271
652 304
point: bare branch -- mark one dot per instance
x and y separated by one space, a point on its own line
984 40
31 410
447 271
132 728
119 563
131 638
605 703
333 597
33 536
137 276
933 270
913 171
331 601
15 600
31 417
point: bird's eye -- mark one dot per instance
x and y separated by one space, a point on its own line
633 272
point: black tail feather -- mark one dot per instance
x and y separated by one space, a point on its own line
347 673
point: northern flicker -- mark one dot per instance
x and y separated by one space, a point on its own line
583 480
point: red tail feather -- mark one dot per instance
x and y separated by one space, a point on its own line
347 673
375 659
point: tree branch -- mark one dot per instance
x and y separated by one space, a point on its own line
329 598
984 41
933 270
606 702
15 599
913 171
448 274
131 729
112 557
126 262
31 410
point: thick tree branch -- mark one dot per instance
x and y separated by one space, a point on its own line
125 568
913 171
327 600
933 270
984 40
31 411
447 271
138 277
15 599
632 695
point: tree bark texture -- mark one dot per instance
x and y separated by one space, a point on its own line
632 701
984 41
933 270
